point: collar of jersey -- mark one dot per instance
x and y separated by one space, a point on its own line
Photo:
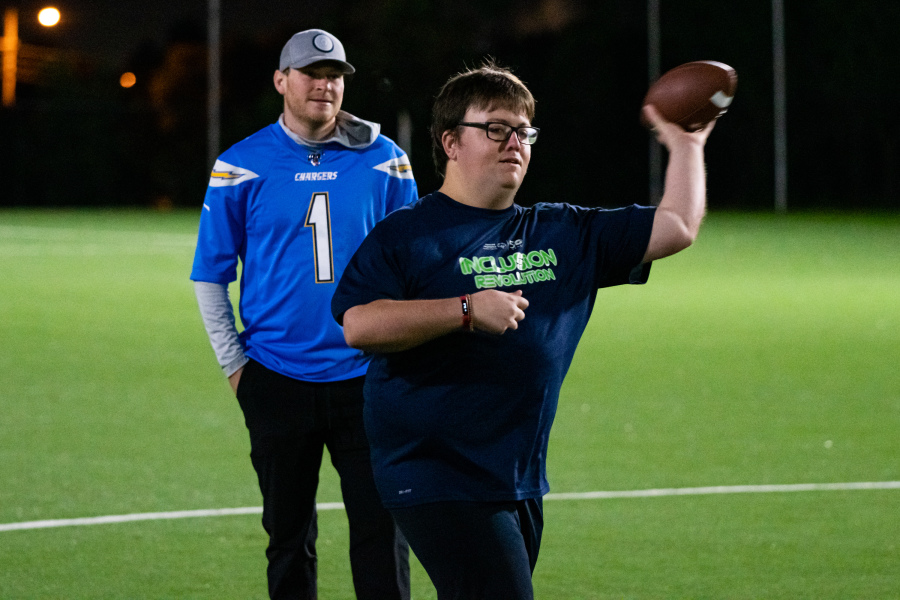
350 132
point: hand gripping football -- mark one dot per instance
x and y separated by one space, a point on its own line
693 94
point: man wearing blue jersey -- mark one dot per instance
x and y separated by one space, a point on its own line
473 307
292 203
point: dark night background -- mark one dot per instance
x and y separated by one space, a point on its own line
76 138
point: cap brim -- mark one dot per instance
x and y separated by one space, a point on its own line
345 67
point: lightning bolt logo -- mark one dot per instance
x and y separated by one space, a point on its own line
397 167
224 175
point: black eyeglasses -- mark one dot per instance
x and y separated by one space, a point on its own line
500 132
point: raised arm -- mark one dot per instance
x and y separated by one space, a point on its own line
395 325
683 204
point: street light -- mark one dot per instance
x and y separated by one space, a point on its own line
127 80
48 17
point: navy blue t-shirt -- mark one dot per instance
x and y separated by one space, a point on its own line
467 416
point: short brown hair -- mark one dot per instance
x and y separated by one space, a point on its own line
487 87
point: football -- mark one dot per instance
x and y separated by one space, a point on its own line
693 94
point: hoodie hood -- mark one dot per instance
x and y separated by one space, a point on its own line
350 131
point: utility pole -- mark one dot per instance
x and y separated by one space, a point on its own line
213 98
780 100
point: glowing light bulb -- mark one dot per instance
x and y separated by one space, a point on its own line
127 80
48 17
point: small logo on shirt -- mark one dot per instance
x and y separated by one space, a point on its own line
224 175
507 245
315 158
397 167
316 176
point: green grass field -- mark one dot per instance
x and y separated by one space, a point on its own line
767 354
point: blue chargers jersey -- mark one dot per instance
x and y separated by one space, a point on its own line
293 216
467 416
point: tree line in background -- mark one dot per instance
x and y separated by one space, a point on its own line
77 138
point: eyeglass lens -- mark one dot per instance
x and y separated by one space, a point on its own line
500 132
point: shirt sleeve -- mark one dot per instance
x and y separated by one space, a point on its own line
401 190
622 236
220 239
374 273
218 318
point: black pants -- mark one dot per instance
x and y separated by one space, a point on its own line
476 550
290 422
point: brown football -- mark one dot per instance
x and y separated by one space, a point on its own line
693 94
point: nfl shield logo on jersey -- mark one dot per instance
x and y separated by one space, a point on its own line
315 158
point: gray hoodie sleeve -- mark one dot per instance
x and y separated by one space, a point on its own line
218 318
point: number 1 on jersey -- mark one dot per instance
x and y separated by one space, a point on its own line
319 218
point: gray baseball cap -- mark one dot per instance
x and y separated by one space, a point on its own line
311 46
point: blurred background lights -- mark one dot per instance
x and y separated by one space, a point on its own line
48 17
127 80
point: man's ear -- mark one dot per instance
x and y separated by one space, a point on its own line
450 141
280 80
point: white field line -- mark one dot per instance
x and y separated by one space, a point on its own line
155 516
652 493
728 489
